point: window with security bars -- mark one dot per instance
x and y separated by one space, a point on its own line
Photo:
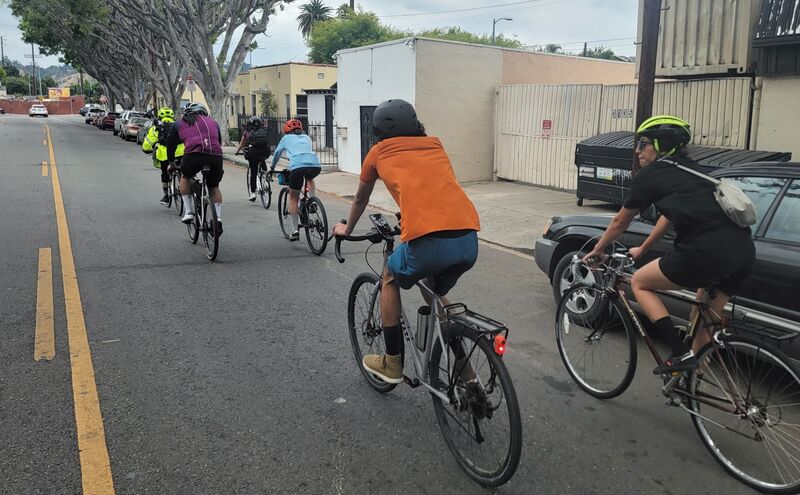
302 105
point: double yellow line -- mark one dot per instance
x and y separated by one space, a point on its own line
95 464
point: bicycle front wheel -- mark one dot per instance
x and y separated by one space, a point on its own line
211 230
753 427
247 181
265 190
481 422
194 226
283 212
364 324
316 226
596 341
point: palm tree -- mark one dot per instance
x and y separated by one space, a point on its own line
310 13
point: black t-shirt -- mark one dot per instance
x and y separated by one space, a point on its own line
686 200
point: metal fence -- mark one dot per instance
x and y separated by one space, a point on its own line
322 134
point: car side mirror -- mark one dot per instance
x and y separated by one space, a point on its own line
650 214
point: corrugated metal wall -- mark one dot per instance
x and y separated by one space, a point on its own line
704 37
718 110
525 149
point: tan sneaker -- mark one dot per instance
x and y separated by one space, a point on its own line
387 368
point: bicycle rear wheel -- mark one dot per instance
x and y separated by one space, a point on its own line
283 212
265 191
210 229
316 226
481 424
759 443
247 181
194 226
596 341
175 192
366 333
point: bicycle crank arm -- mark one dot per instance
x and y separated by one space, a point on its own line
411 382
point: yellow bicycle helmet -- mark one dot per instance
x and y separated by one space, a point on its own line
667 132
165 113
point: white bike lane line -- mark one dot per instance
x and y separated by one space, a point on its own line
94 459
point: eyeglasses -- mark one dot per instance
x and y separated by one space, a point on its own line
640 145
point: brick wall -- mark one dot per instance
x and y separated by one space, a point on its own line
59 107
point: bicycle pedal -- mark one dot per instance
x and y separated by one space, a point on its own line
411 382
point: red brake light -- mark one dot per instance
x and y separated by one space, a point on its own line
499 344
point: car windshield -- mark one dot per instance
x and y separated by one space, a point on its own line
137 121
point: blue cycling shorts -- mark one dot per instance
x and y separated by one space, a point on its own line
444 259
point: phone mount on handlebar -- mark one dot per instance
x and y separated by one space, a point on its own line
380 223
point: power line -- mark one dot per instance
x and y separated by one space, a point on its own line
462 10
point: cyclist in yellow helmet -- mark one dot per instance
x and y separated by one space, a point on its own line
709 249
155 143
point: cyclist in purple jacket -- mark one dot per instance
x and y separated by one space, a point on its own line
202 142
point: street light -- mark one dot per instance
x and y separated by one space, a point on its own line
495 21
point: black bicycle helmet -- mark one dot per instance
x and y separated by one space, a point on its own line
395 118
195 108
255 122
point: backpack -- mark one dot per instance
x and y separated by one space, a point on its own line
259 138
734 202
163 129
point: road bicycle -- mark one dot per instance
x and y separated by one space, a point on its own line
263 183
744 399
457 357
312 215
205 217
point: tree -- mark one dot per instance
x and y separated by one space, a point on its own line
458 34
16 85
49 82
601 52
343 10
11 70
354 30
2 75
311 13
268 104
552 48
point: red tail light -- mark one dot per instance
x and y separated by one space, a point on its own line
499 344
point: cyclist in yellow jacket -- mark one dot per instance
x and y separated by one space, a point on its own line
155 143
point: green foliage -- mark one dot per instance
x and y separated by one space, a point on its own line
311 13
16 85
2 75
552 48
49 82
234 134
267 104
354 30
11 71
458 34
90 91
344 10
601 52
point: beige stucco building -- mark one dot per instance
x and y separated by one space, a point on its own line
285 81
453 87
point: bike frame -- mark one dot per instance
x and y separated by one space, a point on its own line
705 316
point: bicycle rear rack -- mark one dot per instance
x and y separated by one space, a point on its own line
483 325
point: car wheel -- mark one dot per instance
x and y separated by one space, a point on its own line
563 278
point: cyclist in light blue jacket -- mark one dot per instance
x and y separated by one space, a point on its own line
303 166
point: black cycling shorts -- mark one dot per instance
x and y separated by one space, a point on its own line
194 163
297 176
724 270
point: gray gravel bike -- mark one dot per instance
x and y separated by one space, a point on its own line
457 357
205 217
744 399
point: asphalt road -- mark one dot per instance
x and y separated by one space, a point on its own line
226 377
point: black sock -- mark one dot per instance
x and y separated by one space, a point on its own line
392 336
671 334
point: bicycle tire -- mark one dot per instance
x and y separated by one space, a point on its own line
177 200
266 190
283 212
592 326
210 229
194 226
366 327
477 408
316 226
768 422
247 182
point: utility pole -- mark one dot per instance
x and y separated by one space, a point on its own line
353 5
32 56
2 51
585 48
494 23
651 19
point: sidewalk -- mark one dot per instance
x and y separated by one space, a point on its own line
512 214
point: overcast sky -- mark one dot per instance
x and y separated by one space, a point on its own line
611 23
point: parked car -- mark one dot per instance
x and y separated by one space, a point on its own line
92 114
131 128
768 297
2 110
107 123
123 119
143 131
98 119
84 110
37 109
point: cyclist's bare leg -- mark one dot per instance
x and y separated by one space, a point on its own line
644 283
294 197
717 305
312 188
391 306
185 186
